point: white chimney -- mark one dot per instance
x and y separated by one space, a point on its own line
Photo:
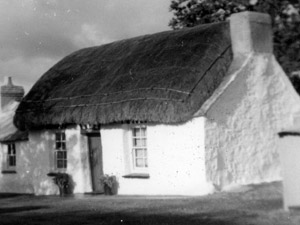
251 32
8 81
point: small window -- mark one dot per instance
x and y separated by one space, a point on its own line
139 147
11 155
60 150
10 160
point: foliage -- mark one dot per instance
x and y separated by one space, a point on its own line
62 180
107 180
284 14
109 183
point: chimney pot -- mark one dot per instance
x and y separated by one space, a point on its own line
8 81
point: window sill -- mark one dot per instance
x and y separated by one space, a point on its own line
55 173
137 175
8 172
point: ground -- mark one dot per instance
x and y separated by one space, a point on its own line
254 204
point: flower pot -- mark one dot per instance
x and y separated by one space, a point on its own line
107 190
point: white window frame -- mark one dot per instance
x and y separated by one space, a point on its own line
143 148
60 152
11 155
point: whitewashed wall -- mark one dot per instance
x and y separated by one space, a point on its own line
32 165
35 159
242 125
78 160
290 155
175 154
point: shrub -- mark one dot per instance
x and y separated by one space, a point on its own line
109 184
63 181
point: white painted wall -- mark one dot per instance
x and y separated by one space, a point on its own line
289 156
175 154
78 160
35 159
32 165
242 125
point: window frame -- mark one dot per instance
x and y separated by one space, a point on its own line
60 151
142 138
10 156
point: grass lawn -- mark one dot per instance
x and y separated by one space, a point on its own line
255 204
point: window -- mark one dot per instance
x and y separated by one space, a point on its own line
139 147
11 155
60 150
10 163
10 159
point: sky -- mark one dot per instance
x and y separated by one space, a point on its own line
35 34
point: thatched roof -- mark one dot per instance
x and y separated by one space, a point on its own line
8 132
164 78
14 137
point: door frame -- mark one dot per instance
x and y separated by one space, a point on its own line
96 170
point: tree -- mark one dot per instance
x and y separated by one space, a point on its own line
285 22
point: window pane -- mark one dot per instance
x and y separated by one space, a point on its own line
143 132
63 145
63 136
60 164
139 153
11 149
57 136
136 132
12 161
137 142
65 164
58 145
139 163
60 154
144 142
65 154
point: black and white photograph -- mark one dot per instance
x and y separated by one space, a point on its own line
150 112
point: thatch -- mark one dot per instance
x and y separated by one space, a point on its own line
6 119
8 132
14 137
163 78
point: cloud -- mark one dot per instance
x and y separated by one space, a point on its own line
37 33
90 36
25 71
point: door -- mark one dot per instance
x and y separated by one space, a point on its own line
95 158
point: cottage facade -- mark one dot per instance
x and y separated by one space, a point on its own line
11 139
180 112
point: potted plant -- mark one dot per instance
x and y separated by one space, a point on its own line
109 184
62 180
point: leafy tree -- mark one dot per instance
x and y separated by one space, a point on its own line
284 14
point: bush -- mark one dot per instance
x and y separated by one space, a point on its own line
109 184
63 181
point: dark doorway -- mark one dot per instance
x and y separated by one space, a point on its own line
96 163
